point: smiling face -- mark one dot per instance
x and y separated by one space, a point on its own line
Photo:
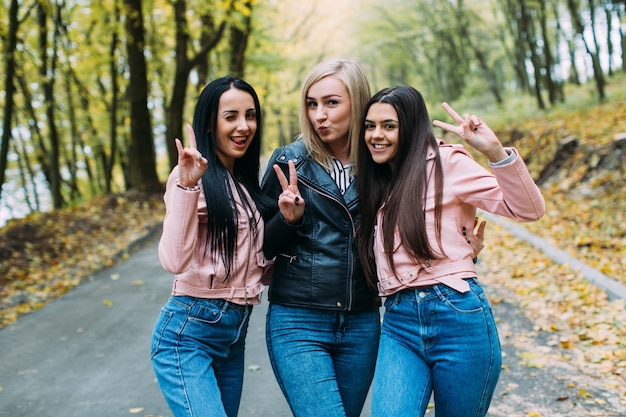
381 132
236 126
328 109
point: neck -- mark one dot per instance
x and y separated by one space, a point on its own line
340 151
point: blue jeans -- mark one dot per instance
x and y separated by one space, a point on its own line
323 360
436 339
198 355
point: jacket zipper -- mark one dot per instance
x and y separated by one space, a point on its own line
351 272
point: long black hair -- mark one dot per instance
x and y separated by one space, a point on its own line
402 188
216 182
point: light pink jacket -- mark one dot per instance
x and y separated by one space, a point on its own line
467 185
198 273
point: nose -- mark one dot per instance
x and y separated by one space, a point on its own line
378 132
320 113
242 124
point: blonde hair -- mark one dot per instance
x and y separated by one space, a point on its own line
349 72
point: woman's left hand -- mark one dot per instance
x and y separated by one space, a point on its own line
475 237
475 132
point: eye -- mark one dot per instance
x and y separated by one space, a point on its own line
390 126
311 104
333 102
369 126
251 116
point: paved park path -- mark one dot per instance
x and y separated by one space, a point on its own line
87 355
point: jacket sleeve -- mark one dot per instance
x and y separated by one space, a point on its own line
179 240
510 191
277 230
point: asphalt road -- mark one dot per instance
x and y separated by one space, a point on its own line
87 354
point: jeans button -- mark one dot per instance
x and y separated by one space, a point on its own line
422 294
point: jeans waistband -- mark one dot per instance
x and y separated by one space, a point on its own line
224 305
442 287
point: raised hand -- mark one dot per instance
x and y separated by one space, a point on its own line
191 164
475 132
290 201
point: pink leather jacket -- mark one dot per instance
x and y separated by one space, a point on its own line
198 273
467 185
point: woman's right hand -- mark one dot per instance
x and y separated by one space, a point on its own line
191 163
290 201
475 132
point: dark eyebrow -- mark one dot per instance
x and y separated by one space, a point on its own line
235 111
384 121
325 97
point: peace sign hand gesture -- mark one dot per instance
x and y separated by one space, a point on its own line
191 163
475 132
290 201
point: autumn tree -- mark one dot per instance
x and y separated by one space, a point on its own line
9 88
141 153
187 58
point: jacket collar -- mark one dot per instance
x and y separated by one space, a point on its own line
313 174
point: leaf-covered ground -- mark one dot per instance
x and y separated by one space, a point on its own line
45 255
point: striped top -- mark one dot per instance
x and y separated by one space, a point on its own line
342 175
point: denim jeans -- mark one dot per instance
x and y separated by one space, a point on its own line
323 360
435 339
198 355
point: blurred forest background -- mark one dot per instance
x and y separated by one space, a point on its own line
94 92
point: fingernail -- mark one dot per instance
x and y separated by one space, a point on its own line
297 199
464 228
464 234
469 242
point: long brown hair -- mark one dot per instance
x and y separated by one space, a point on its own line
402 189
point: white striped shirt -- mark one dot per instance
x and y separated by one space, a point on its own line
342 175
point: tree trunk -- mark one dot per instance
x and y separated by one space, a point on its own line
526 26
36 136
141 153
621 16
109 162
609 32
184 65
519 51
579 27
551 83
9 89
239 41
461 16
47 75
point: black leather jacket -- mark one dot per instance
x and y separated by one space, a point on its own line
316 262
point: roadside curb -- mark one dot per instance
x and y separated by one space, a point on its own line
613 288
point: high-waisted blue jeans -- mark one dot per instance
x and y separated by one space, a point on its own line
323 360
198 355
436 339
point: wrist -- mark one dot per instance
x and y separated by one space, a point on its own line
195 187
497 155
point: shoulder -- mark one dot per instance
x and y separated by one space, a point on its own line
295 151
451 150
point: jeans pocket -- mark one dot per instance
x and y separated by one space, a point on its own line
206 313
391 302
467 302
159 328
